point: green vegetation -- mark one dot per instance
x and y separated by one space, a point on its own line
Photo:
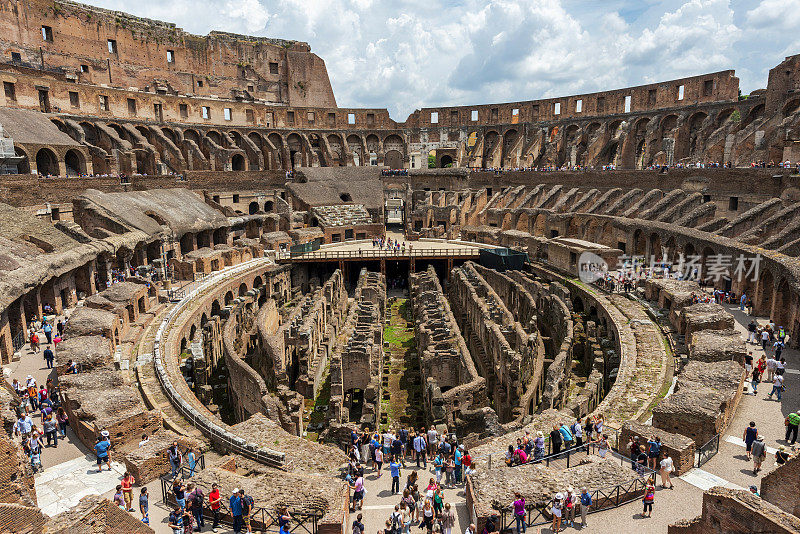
736 116
431 162
401 395
317 414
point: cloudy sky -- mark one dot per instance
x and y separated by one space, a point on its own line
407 54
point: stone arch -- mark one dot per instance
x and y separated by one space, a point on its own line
656 250
523 222
145 131
782 305
446 161
238 163
639 243
47 162
755 113
269 206
257 282
252 209
490 140
170 134
295 144
592 129
74 162
192 332
540 225
24 166
394 159
336 149
243 289
216 137
216 308
121 133
506 222
766 284
790 107
203 320
192 135
373 144
723 116
228 298
668 123
355 149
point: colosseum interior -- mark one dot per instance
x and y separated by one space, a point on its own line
232 263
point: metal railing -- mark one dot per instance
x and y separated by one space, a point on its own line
18 341
602 499
210 428
707 451
261 519
381 253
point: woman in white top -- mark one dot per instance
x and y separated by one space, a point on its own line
557 506
602 446
666 469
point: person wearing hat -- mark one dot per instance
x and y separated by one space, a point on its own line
781 456
556 508
538 446
101 450
759 452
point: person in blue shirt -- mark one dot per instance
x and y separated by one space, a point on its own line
457 460
394 470
236 511
586 502
48 332
101 449
176 520
566 435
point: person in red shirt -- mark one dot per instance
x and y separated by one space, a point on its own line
214 500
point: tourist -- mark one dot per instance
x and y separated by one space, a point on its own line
566 436
519 511
556 506
34 339
599 420
179 490
750 435
448 519
649 497
62 420
752 329
23 426
764 339
358 525
781 456
214 499
458 455
144 506
667 467
641 460
754 380
127 490
754 491
438 501
603 446
432 438
118 498
569 507
427 516
235 506
394 471
555 440
188 522
420 449
175 520
538 446
175 458
378 461
48 357
144 441
777 387
759 451
792 421
101 450
438 466
577 432
470 529
358 491
406 517
247 508
195 500
586 502
653 452
191 461
633 447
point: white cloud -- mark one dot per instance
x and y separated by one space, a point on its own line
407 54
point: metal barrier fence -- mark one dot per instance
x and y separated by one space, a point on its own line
18 341
707 451
602 499
261 519
214 431
381 253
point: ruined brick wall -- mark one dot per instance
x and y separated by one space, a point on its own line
680 448
450 376
357 362
505 354
21 519
736 512
779 487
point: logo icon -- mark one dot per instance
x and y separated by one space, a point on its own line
591 267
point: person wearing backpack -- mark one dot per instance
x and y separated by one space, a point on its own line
396 520
653 452
577 432
649 497
195 500
247 508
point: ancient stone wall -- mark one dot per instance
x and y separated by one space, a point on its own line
737 512
680 448
450 376
357 363
779 487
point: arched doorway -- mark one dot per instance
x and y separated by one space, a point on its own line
446 161
74 163
253 208
237 162
393 159
46 162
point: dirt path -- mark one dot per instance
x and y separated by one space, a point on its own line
402 390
